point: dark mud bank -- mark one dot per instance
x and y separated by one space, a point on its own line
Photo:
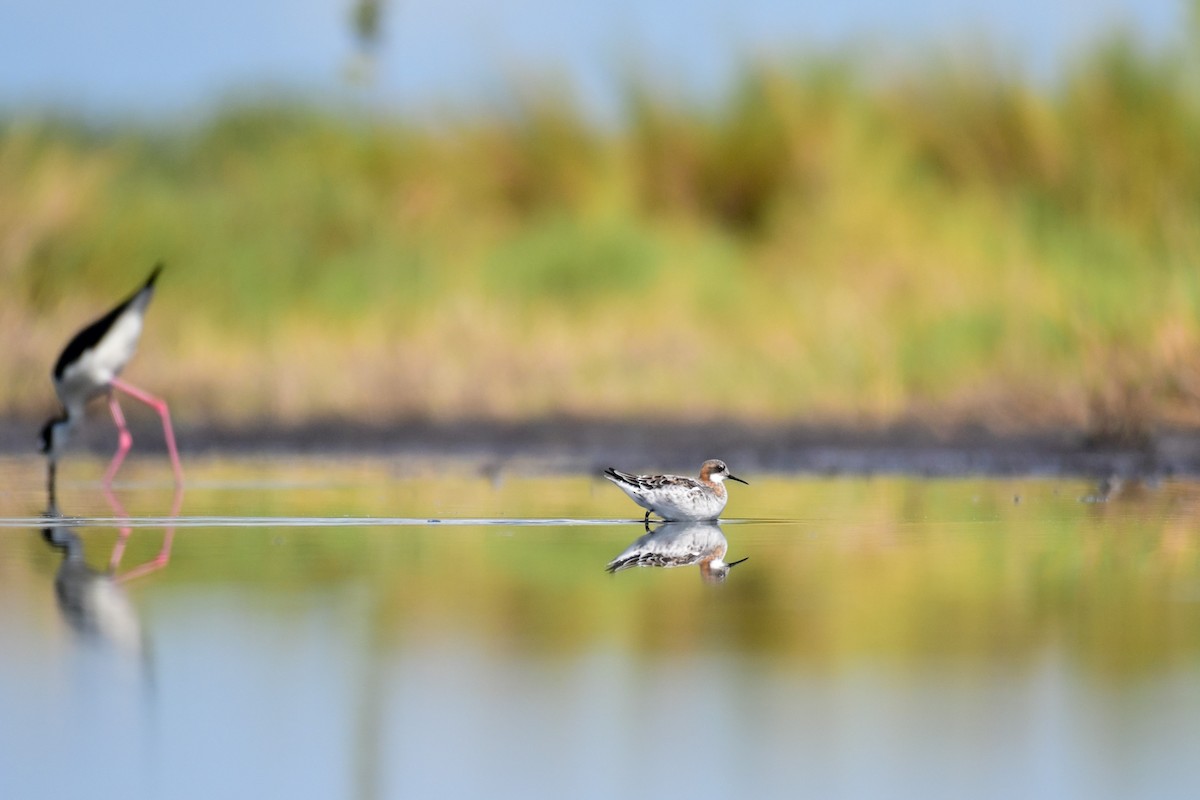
569 445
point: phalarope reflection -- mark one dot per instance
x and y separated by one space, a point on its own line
680 544
674 497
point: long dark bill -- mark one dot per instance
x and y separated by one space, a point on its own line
51 474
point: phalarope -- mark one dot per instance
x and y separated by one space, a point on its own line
674 497
680 544
88 367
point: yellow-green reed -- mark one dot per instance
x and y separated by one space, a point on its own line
951 242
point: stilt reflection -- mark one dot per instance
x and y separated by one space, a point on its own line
92 601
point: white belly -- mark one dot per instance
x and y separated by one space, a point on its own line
695 505
97 367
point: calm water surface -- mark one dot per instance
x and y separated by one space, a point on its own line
357 629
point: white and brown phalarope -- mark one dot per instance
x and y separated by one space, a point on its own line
674 497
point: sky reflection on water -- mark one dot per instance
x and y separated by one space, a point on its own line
887 637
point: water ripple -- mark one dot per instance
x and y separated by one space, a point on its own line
304 522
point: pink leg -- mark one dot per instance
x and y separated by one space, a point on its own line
124 441
122 533
164 554
161 407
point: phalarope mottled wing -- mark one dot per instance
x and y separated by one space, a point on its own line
680 544
674 497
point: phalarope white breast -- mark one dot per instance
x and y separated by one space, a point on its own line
680 544
674 497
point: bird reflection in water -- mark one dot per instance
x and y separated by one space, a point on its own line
118 552
93 602
680 544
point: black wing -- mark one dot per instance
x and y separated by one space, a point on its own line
87 338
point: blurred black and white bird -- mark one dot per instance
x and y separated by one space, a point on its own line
89 367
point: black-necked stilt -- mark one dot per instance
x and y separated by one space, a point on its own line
89 367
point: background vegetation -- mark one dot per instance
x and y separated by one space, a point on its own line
951 242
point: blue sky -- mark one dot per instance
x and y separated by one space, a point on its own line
155 57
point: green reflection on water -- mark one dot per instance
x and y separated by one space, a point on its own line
987 575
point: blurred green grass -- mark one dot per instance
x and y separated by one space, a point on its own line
952 241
